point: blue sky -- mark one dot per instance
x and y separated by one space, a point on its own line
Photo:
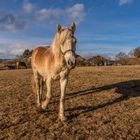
104 27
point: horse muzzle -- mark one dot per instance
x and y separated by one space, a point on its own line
71 64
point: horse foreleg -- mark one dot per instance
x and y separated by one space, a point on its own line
48 95
63 84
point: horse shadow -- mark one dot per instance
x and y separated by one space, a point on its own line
127 89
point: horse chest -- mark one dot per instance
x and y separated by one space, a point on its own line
56 74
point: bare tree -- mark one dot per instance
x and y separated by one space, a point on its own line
98 60
121 56
136 52
27 52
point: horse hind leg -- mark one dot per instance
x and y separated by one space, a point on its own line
48 95
37 86
41 88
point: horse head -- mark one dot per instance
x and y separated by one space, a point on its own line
67 42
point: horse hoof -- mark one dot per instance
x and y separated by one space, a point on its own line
38 105
40 110
63 119
43 106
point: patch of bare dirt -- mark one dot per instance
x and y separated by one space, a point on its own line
101 103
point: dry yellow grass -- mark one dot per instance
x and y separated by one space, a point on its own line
101 103
1 65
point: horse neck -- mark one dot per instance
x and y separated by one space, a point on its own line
56 49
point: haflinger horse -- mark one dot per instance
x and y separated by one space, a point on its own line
53 62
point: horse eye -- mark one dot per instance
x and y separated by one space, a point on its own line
75 41
74 49
71 35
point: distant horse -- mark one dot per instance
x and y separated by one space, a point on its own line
21 64
56 61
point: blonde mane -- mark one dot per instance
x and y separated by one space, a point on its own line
58 39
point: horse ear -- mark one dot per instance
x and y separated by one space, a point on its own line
58 28
73 27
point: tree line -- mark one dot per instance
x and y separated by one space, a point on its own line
130 58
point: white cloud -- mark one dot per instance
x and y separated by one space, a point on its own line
11 47
122 2
11 27
11 50
75 13
47 14
27 7
2 51
10 22
71 14
18 48
90 54
105 49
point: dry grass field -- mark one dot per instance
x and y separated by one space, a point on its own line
102 103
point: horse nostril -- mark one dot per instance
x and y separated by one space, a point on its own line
72 64
69 62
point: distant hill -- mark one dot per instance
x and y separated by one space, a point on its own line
81 61
2 60
11 63
100 61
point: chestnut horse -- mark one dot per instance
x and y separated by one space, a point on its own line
52 62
